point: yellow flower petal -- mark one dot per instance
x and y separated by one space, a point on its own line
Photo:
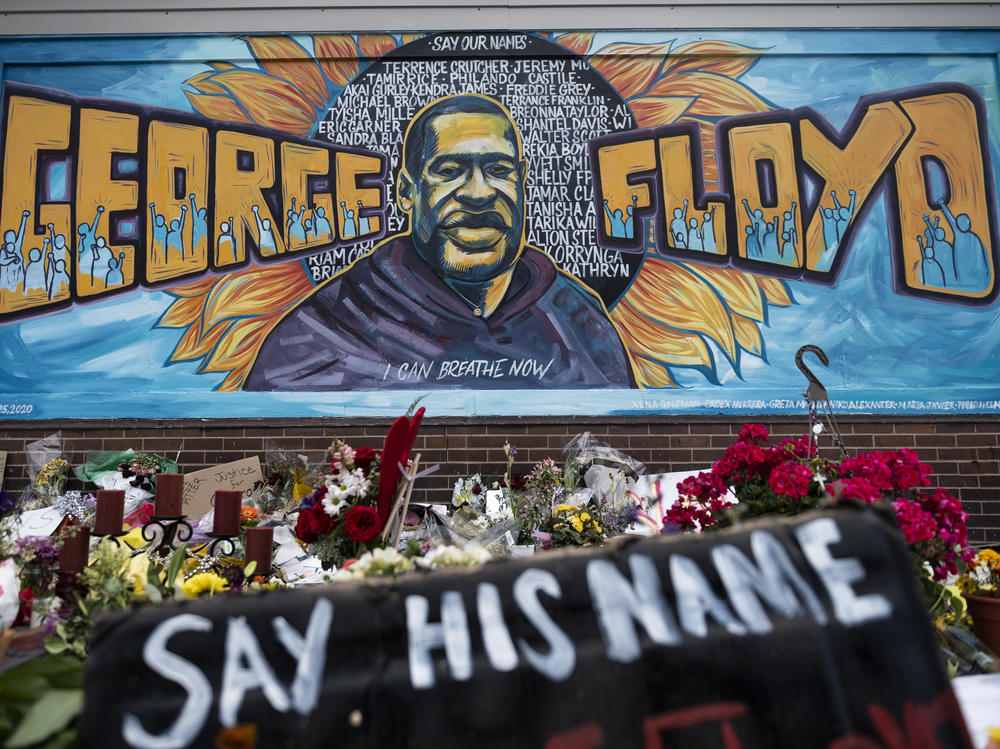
285 58
271 102
337 56
630 68
373 46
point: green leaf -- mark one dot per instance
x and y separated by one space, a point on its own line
49 715
176 562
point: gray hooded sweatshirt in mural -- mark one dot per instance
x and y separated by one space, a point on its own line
390 322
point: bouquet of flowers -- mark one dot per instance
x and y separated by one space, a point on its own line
983 577
574 526
140 468
339 519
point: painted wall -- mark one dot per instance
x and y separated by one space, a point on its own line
602 222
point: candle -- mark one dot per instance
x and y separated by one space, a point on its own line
75 549
110 508
259 548
169 495
227 512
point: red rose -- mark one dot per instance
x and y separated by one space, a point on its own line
313 524
364 457
362 523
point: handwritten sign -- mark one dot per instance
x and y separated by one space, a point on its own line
200 486
743 638
3 465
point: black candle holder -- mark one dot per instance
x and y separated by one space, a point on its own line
222 544
112 537
160 533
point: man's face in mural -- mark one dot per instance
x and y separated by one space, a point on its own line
466 201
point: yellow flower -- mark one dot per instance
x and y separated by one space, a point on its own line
577 525
563 508
585 516
135 573
204 582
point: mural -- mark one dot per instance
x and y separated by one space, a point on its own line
506 223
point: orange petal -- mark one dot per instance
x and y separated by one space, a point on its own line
578 42
739 290
257 291
181 313
630 68
239 343
373 46
220 108
194 344
203 82
775 290
651 111
222 65
270 101
723 58
652 374
407 38
748 335
193 288
675 297
283 57
718 96
659 342
338 56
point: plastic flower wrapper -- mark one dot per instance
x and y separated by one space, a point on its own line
600 467
125 470
47 471
423 526
498 539
282 471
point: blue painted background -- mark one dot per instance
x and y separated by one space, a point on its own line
889 353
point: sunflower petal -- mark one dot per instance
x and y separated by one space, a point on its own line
193 288
221 65
775 290
240 344
220 108
673 296
337 56
271 102
373 46
723 58
652 374
630 68
182 313
407 38
748 335
194 344
578 42
257 291
739 290
283 57
655 341
651 111
718 96
203 82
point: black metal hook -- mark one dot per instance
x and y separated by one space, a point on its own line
815 391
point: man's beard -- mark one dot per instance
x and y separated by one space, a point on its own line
449 255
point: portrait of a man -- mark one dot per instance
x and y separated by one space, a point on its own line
458 300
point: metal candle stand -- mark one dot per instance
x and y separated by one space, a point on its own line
112 537
222 544
161 532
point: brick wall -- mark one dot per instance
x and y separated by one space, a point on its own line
965 454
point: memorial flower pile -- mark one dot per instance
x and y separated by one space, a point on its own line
141 468
339 519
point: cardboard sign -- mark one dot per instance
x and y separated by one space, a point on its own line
805 632
200 486
3 465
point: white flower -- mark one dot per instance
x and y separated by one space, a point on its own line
380 562
454 556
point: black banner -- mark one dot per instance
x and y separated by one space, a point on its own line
808 632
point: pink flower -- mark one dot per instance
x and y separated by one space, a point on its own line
790 479
855 488
754 433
